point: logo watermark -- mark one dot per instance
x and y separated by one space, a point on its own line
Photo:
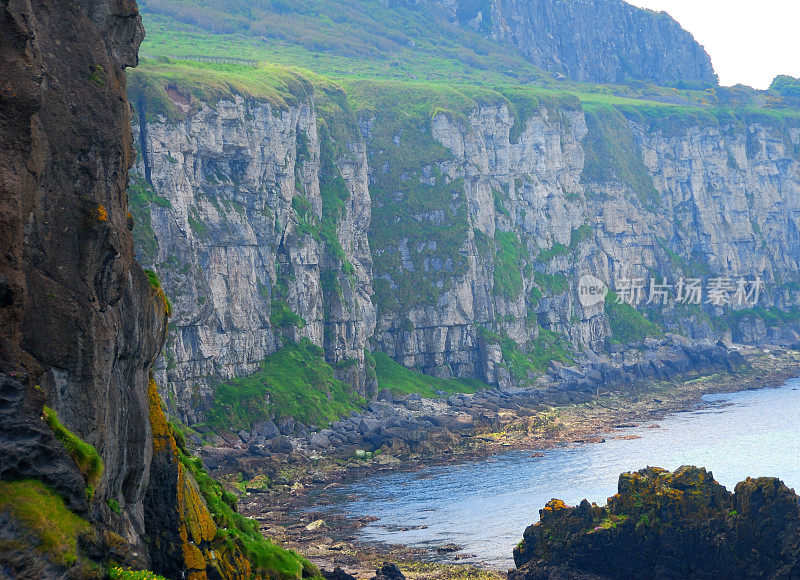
591 291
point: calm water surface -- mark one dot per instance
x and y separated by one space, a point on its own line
484 506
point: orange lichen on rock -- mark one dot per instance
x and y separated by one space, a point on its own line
197 524
554 504
99 213
162 435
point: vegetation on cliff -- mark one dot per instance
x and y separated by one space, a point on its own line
294 382
212 537
628 325
52 527
83 454
403 381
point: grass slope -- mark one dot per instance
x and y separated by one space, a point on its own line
627 324
294 382
83 454
53 529
400 380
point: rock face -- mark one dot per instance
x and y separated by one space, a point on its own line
81 323
668 525
463 237
601 41
239 239
525 215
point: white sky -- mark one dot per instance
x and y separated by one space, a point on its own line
750 41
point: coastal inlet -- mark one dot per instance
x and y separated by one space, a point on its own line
482 507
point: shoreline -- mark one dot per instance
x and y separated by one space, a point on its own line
286 514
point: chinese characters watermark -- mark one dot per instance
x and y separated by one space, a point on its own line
717 291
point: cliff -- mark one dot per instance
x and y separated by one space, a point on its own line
598 41
465 225
661 524
81 322
255 213
92 479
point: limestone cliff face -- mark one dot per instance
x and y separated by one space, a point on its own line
474 231
588 193
513 198
238 239
81 322
602 41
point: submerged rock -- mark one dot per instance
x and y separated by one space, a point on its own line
661 524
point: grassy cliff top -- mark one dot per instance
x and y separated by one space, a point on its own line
391 56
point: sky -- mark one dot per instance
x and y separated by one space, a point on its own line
750 41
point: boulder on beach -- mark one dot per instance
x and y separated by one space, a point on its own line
388 571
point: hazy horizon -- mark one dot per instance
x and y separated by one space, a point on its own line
748 44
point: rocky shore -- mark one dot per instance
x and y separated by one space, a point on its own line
410 425
282 489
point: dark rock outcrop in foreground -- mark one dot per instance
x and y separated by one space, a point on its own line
668 525
91 474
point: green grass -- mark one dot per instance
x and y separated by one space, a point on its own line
52 527
523 363
152 277
282 316
509 257
401 40
296 381
613 154
122 573
628 324
141 194
113 505
552 285
401 380
772 317
83 454
240 532
546 348
155 85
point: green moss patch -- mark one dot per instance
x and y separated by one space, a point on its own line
121 573
83 454
772 317
401 380
294 382
282 316
612 154
53 528
509 259
243 533
628 324
523 362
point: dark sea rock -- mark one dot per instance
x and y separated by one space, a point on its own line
668 525
336 574
388 572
